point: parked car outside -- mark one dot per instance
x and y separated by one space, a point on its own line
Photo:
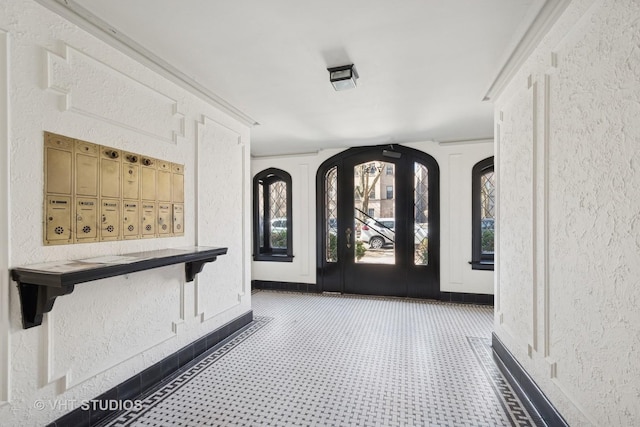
380 232
278 225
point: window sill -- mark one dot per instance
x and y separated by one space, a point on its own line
273 257
482 265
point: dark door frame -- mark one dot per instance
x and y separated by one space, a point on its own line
422 281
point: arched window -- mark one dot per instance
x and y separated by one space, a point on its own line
483 205
272 225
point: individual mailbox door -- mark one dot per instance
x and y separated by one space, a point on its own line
86 227
164 182
86 169
110 219
131 176
164 219
148 178
177 183
57 230
178 220
58 164
148 219
110 175
130 220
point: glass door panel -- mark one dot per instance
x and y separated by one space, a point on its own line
374 213
420 214
331 215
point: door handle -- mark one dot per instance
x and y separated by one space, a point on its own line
348 233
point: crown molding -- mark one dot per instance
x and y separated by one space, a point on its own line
466 141
89 22
542 23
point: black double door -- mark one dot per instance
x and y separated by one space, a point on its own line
378 223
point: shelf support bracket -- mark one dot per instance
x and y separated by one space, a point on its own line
36 300
194 267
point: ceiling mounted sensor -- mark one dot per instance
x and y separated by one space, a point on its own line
343 77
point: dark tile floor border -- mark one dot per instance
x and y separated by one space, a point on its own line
523 384
146 380
147 402
519 410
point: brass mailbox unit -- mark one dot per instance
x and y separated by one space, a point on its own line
95 193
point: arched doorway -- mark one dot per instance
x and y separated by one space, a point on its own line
378 222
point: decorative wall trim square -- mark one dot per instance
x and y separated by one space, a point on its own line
147 111
215 140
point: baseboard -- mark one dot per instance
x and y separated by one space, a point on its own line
108 402
284 286
524 386
466 298
457 297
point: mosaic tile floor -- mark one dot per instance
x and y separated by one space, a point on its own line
319 360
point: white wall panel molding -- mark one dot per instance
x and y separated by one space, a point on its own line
247 214
546 320
5 341
221 218
497 266
517 182
177 325
532 86
75 75
456 207
304 224
130 332
206 316
49 376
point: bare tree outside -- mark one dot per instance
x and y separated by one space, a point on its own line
366 177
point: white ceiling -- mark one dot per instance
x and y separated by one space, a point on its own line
425 65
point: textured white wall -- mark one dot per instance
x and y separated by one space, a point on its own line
4 221
455 160
569 214
65 81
